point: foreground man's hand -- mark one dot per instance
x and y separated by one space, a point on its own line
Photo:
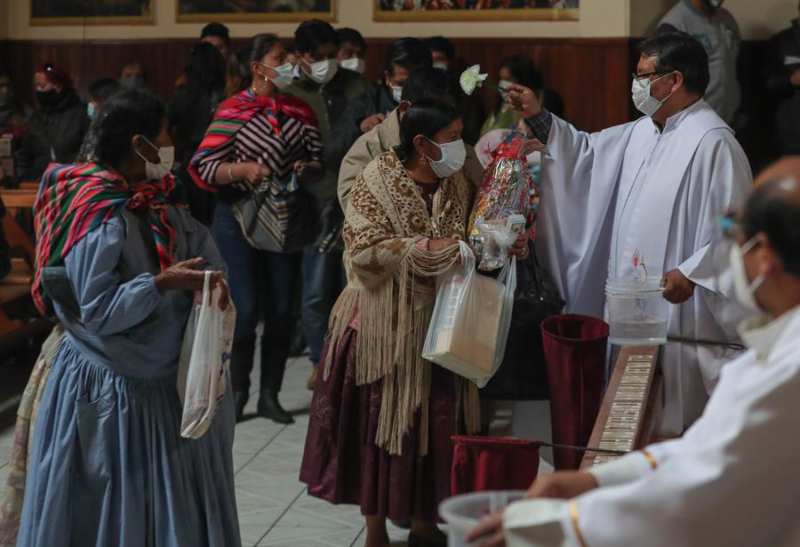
489 532
562 485
677 287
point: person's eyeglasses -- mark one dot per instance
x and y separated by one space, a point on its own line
647 75
730 226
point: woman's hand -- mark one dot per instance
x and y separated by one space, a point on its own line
370 122
562 485
307 171
251 171
186 276
520 247
436 245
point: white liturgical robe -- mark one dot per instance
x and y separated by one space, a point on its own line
637 191
730 481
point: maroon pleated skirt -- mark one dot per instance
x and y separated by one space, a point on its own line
342 464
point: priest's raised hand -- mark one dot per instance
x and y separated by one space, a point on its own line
677 287
524 100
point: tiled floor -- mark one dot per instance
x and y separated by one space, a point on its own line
274 509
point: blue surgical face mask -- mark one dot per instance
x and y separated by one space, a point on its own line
284 75
91 111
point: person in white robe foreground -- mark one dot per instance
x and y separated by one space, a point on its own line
732 479
640 200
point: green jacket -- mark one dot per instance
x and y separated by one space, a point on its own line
329 103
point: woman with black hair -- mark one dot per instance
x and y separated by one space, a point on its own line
381 418
190 113
516 69
259 134
117 265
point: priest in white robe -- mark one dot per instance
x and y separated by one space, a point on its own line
642 197
732 479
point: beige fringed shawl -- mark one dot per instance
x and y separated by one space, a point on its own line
391 290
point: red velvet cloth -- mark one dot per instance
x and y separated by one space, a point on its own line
493 463
575 351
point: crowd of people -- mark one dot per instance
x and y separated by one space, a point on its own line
140 198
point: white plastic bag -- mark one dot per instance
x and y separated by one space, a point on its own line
471 319
205 358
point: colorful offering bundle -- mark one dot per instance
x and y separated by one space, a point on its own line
508 188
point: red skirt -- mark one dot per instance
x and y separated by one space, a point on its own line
342 464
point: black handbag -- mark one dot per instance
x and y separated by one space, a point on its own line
523 373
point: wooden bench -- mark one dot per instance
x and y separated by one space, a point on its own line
17 285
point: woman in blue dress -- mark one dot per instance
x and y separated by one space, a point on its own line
117 266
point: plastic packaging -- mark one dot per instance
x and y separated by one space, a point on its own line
462 513
469 327
204 361
638 314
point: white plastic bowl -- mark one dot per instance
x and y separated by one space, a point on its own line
462 513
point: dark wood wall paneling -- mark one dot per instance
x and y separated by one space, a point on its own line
592 75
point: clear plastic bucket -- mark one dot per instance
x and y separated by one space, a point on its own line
462 513
638 314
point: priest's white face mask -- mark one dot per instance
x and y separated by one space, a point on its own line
642 94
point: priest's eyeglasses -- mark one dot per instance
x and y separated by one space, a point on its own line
648 74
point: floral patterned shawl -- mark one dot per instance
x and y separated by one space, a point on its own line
392 287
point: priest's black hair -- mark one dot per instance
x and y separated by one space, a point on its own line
678 51
776 213
426 117
124 115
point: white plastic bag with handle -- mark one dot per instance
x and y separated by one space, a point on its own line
205 358
471 319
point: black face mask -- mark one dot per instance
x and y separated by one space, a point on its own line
48 98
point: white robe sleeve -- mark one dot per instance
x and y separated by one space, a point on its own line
580 173
730 482
722 167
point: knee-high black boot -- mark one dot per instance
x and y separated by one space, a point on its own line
274 352
242 355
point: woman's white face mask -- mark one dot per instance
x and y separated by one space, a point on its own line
166 155
453 155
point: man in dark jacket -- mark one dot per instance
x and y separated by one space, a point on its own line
403 56
783 82
327 90
56 129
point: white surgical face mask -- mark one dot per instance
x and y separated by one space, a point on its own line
744 290
397 93
323 72
354 63
157 171
643 100
441 65
453 155
284 75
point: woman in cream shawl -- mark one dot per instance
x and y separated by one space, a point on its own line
382 417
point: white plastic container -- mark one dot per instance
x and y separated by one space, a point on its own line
462 513
638 314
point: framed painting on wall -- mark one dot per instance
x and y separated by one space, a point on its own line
92 12
476 10
246 11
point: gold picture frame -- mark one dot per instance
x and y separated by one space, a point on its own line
61 12
251 16
492 14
